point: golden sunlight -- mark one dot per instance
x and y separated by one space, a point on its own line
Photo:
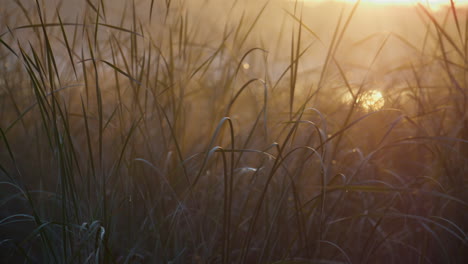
431 3
371 100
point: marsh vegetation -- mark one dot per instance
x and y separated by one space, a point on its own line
150 131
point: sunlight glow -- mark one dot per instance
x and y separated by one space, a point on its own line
371 100
431 3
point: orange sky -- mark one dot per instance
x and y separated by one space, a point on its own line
432 3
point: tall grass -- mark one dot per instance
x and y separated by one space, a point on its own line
182 132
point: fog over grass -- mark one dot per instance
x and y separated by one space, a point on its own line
235 131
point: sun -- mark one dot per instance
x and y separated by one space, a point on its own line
371 100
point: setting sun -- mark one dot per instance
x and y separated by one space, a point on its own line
371 100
